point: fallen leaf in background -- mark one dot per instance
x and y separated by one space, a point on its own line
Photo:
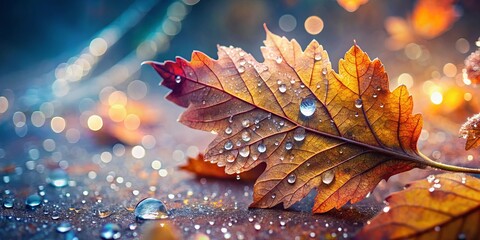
339 133
431 18
470 130
472 67
204 168
445 206
351 5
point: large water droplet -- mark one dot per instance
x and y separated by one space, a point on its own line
228 130
246 123
228 145
307 107
64 227
110 231
244 152
291 178
33 200
8 203
282 88
358 103
178 79
261 148
246 136
150 209
299 134
58 178
288 145
328 176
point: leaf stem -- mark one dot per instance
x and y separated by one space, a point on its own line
447 167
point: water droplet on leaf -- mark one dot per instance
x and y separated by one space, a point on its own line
244 152
291 178
33 200
299 134
228 145
358 103
282 88
261 148
246 136
328 176
307 107
178 79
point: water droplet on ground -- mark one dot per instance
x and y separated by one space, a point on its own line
64 227
291 178
58 178
307 107
328 176
358 103
151 208
33 200
299 134
8 203
110 231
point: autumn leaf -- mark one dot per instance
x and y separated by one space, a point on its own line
206 169
446 206
470 130
339 133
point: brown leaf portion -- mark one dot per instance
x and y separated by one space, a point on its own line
443 207
470 130
340 133
206 169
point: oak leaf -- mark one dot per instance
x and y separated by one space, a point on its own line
339 133
446 206
470 131
203 168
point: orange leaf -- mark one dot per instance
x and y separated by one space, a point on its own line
431 18
470 130
206 169
339 133
443 207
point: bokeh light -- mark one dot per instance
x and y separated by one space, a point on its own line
314 25
287 22
95 122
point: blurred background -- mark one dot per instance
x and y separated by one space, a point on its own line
75 98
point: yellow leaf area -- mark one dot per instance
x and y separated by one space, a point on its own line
446 206
340 133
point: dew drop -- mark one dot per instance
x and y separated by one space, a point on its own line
291 178
324 71
150 209
33 200
110 231
246 123
261 148
318 56
242 62
64 227
279 60
328 176
178 79
241 69
257 226
274 196
375 95
58 178
358 103
246 136
228 130
307 107
386 209
230 158
8 203
288 145
356 114
282 88
244 152
299 134
228 145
